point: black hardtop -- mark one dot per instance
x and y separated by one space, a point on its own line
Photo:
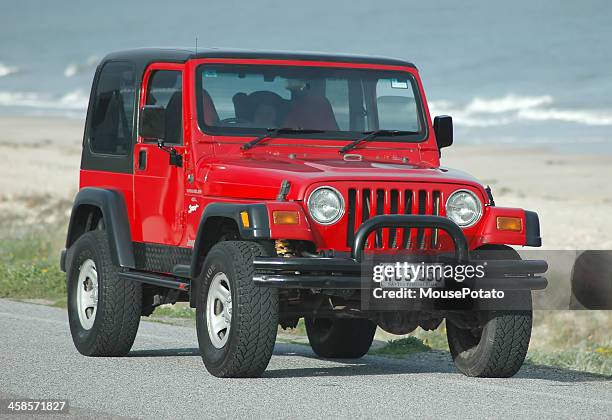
142 57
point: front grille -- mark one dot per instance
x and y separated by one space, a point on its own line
364 203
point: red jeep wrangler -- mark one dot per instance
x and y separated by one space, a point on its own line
255 185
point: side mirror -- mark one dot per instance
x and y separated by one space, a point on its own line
443 128
152 122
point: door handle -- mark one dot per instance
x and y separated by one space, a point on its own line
142 160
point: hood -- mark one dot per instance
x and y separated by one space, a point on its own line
260 178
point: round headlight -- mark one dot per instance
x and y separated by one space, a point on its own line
326 205
463 208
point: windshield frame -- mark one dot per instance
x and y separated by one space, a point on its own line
250 132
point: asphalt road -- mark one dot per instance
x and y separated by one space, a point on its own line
164 377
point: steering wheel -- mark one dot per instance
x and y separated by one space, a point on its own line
234 120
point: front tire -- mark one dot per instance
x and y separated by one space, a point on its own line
340 338
103 310
236 320
498 348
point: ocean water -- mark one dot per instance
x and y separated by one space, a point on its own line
512 72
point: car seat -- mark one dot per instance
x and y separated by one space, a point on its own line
311 111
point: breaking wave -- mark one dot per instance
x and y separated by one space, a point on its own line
74 69
7 70
487 112
74 101
479 112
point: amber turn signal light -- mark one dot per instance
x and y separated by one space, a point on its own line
283 217
513 224
244 217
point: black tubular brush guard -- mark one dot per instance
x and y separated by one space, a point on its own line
345 273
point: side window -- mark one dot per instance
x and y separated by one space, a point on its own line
165 90
113 110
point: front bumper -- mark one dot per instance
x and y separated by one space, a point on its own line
346 273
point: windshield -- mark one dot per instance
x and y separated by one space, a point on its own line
343 103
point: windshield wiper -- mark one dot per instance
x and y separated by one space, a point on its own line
273 132
371 135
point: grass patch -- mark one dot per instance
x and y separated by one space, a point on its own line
597 360
29 269
174 311
576 329
402 347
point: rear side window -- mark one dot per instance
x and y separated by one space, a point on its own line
165 90
112 118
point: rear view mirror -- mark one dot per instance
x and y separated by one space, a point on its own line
152 122
443 128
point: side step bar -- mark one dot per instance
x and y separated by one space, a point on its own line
156 280
182 270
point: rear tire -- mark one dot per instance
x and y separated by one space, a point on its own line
103 310
236 320
339 337
497 349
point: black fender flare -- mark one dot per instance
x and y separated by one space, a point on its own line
532 229
259 227
116 223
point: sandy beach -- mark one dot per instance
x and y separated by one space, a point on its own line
571 193
39 176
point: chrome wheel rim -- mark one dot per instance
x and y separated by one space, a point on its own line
219 310
87 294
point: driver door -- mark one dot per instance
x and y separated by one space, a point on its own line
158 184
